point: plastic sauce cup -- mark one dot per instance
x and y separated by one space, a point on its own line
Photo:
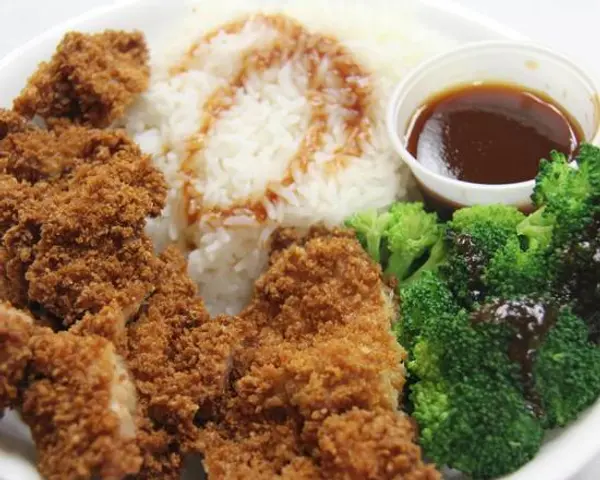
529 66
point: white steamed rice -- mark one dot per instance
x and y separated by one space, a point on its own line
249 146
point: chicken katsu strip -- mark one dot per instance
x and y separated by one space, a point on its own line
77 242
75 394
90 80
180 360
314 390
16 328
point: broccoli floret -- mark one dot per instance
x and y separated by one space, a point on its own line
406 240
437 256
578 278
423 300
571 198
474 235
567 193
588 160
554 177
537 229
524 266
516 271
479 425
370 227
489 226
567 371
469 393
410 233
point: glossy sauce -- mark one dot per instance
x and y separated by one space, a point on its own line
490 133
529 322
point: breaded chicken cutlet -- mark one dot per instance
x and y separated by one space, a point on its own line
74 249
90 80
75 208
314 390
180 360
75 394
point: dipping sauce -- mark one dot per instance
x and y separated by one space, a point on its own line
490 133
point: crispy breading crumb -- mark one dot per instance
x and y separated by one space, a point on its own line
11 122
180 360
369 445
13 194
69 405
15 331
318 366
90 80
77 243
74 393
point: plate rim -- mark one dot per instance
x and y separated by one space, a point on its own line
566 469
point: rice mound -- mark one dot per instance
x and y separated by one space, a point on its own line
269 119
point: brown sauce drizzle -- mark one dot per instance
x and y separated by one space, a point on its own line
529 321
294 43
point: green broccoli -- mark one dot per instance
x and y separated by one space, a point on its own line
423 300
523 266
567 371
578 277
490 226
588 160
370 227
406 240
474 235
465 390
516 271
537 229
436 257
571 200
479 425
410 234
567 194
464 267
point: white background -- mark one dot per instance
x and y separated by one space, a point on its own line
569 26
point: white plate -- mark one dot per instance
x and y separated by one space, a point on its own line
559 459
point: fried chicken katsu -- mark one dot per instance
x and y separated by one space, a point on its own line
314 392
180 360
75 394
90 80
15 331
77 252
73 235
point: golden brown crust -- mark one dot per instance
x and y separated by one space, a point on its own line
90 80
16 329
13 194
67 405
266 454
74 394
78 243
180 360
11 122
318 363
369 445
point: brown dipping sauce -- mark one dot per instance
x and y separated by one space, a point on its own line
529 321
490 133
